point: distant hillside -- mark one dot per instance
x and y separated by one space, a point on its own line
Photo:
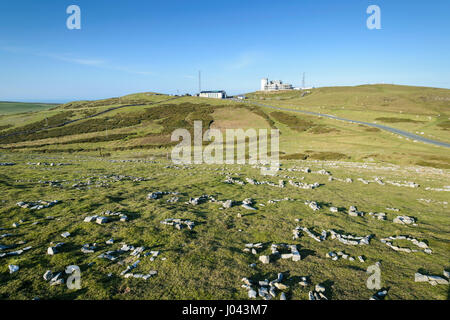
142 123
8 107
380 97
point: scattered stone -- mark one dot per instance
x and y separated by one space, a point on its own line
404 220
420 244
101 220
312 204
433 280
318 293
159 194
53 250
350 239
90 218
13 268
38 205
302 185
264 259
418 277
65 235
379 295
178 223
48 275
228 204
379 215
296 233
353 212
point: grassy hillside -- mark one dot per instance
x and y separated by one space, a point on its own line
420 110
110 154
144 122
7 107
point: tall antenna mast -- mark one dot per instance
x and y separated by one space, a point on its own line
303 81
199 81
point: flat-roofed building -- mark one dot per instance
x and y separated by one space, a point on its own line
217 94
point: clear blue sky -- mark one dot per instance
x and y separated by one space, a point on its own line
134 46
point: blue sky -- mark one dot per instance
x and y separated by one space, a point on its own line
133 46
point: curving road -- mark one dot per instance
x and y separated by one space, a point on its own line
405 134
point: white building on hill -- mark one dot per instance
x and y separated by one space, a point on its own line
274 85
218 94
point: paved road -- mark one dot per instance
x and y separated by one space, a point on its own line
405 134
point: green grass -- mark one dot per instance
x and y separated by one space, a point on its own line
419 110
7 107
208 262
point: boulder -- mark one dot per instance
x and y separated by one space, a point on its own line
101 220
13 268
264 259
48 275
418 277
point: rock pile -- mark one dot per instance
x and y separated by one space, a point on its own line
199 200
296 233
408 184
54 279
87 248
265 289
378 215
433 280
178 223
336 255
294 253
253 247
230 180
318 293
279 200
350 239
353 212
405 220
324 172
52 250
445 188
247 204
158 194
312 204
38 205
302 185
420 244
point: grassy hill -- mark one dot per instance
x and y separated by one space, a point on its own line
420 110
110 154
7 107
144 121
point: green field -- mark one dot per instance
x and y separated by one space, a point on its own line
112 161
20 107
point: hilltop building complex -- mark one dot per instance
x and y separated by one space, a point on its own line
274 85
